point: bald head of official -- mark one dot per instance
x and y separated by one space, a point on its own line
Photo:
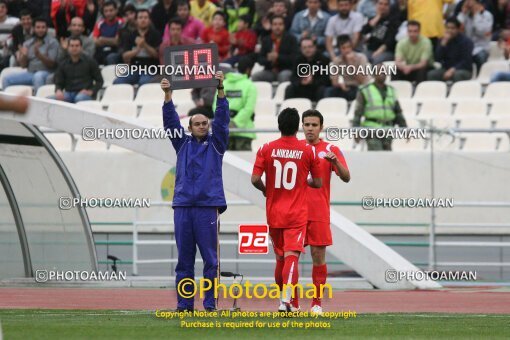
198 125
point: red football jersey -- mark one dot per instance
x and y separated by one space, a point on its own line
286 163
318 199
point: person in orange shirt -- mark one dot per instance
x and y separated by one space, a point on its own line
217 33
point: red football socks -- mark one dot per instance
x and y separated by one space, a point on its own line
319 274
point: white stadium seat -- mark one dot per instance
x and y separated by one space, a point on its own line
435 107
61 141
183 95
501 122
408 106
149 93
182 107
404 88
266 122
108 73
337 106
497 91
118 93
19 90
467 89
500 107
300 104
264 90
265 108
408 145
495 51
127 109
280 92
84 145
263 138
471 107
439 122
257 68
91 104
471 122
430 89
10 70
152 109
491 67
45 91
481 141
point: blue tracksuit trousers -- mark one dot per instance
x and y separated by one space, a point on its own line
196 226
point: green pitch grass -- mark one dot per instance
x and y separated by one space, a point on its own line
76 324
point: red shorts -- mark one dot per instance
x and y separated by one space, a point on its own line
287 239
318 234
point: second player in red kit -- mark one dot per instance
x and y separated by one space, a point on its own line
318 232
287 163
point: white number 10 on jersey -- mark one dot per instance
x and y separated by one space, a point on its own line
282 176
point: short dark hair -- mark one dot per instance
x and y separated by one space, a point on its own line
273 17
345 1
143 10
312 113
110 3
40 19
77 39
175 21
246 18
288 121
245 63
4 2
183 3
220 13
307 38
414 23
454 21
343 39
128 8
24 13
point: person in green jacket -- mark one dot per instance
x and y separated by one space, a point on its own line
242 96
377 103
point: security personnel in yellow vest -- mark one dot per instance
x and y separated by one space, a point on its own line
378 105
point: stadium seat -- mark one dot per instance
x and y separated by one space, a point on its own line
435 107
263 138
45 91
352 108
501 122
108 73
10 70
301 104
280 92
467 89
470 122
266 122
152 109
336 106
408 145
445 142
404 88
182 107
430 89
495 51
471 107
499 107
264 90
19 90
497 91
91 104
257 68
118 93
149 93
83 145
154 120
265 108
491 67
389 64
439 122
332 119
61 141
127 109
408 106
480 141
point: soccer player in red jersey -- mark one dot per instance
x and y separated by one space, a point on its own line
318 232
286 163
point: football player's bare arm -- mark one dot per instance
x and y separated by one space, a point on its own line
256 180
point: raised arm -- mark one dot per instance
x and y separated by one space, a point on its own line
221 118
171 118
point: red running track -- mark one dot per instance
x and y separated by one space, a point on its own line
460 300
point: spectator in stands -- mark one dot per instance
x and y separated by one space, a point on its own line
242 97
378 104
413 56
278 8
203 10
38 8
92 14
192 26
243 41
162 12
106 35
477 22
454 52
235 8
277 53
309 86
311 23
501 13
38 55
76 30
142 4
430 15
141 49
62 11
127 28
22 31
349 87
380 31
78 76
217 33
4 37
503 76
176 38
345 22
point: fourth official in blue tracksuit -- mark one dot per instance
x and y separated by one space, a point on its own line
199 198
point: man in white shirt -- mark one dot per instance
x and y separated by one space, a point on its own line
346 22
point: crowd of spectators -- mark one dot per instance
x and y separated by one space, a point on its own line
428 40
